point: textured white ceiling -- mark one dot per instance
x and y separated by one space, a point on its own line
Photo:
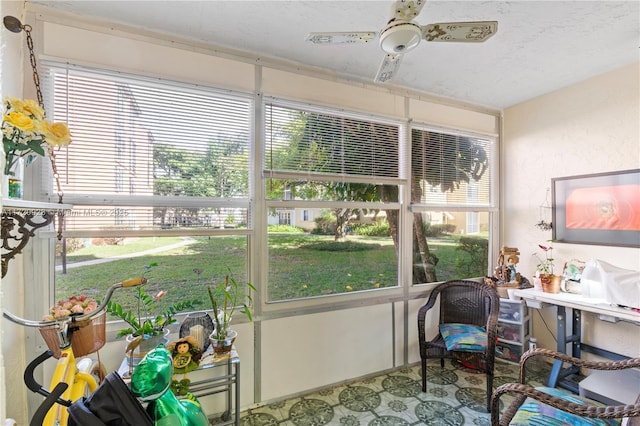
540 46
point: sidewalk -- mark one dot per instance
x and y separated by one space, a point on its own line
185 242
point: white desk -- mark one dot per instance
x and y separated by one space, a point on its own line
606 311
578 304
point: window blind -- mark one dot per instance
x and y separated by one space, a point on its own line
451 169
329 146
157 145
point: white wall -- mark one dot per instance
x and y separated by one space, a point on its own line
12 47
591 127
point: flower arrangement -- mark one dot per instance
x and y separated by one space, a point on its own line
146 320
73 305
545 266
27 134
224 299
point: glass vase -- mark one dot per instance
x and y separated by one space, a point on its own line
145 345
223 346
13 178
200 326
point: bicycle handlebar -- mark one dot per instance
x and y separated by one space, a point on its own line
132 282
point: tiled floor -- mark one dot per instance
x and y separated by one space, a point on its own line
455 396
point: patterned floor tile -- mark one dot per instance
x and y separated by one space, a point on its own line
455 396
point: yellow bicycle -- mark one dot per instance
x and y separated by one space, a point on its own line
72 379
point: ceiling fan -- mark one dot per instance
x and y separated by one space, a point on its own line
402 34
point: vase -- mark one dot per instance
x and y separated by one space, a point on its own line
146 344
223 346
200 326
550 283
537 284
13 178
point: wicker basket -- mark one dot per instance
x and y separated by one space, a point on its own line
88 338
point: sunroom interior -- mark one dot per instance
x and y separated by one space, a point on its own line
320 327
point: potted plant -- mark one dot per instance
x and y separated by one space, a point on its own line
544 271
225 299
148 321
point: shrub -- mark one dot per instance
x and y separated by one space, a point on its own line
474 262
438 230
325 224
107 241
72 244
288 229
376 229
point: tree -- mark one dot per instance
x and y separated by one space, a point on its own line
220 171
443 161
338 145
325 144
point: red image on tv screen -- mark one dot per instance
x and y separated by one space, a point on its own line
604 207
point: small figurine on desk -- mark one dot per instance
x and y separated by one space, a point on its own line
506 273
511 266
186 355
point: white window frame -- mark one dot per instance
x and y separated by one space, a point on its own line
258 205
492 208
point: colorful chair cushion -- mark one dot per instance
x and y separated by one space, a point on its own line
464 337
533 412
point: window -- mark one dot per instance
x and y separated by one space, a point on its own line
342 170
451 197
285 218
158 172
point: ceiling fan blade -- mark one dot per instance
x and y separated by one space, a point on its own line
460 31
388 68
407 10
341 38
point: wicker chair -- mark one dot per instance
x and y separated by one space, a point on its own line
462 302
517 414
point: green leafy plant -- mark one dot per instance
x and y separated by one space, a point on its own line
225 299
545 266
146 321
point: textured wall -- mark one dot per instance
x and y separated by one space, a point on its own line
590 127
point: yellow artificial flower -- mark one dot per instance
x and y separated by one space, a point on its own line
20 121
27 106
55 134
26 134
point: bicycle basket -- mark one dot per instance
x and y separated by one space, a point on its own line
88 338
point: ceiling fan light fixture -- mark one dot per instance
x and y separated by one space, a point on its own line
400 37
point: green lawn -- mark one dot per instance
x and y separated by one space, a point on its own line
300 265
128 246
174 273
310 265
